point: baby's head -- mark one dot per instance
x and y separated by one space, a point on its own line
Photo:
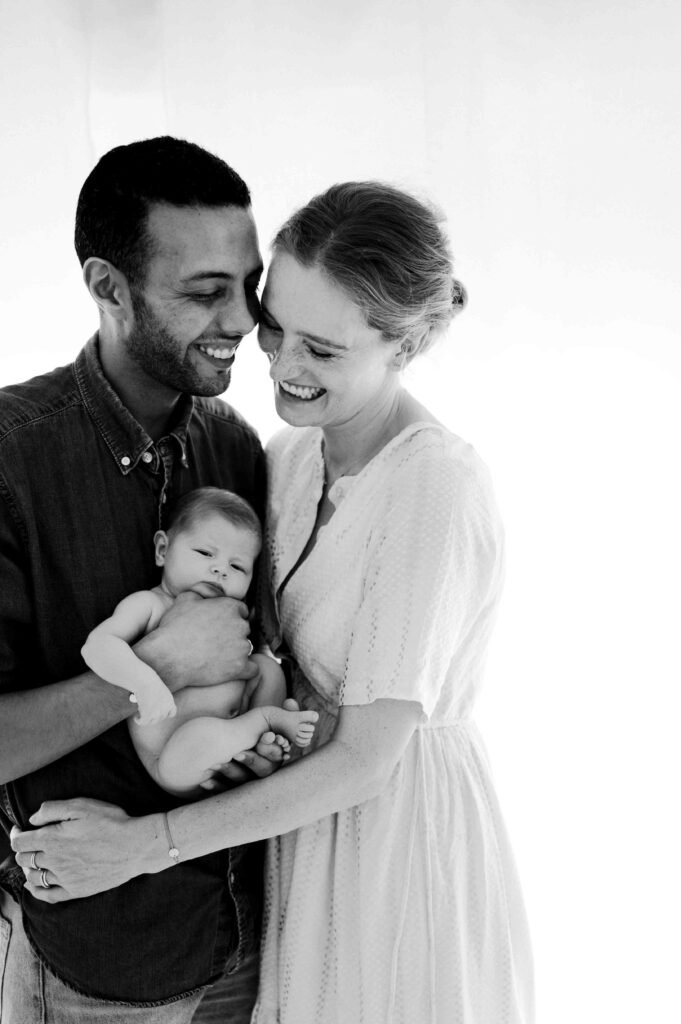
210 546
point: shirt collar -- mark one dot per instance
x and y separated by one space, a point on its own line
125 438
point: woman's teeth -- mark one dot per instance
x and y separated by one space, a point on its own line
217 353
300 391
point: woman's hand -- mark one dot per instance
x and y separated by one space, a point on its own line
81 847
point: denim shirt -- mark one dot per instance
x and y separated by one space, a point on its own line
82 491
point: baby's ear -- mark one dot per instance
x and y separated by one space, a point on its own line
160 546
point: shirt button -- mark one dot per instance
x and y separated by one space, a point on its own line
147 457
125 461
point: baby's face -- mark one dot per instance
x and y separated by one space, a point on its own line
211 557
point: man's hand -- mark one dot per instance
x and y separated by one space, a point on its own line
199 642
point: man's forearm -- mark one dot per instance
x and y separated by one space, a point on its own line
41 725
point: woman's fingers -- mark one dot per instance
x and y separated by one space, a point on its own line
53 894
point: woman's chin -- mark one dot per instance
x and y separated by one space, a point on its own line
299 412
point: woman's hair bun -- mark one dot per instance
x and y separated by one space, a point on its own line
459 295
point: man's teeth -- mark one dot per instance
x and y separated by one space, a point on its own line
300 391
218 353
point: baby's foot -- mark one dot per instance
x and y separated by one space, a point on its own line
305 728
282 742
296 726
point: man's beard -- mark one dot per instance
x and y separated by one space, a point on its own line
156 351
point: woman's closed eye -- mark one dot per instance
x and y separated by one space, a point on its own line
317 353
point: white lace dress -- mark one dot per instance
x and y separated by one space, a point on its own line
405 909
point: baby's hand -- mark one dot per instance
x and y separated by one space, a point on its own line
154 707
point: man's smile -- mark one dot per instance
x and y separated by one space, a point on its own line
218 353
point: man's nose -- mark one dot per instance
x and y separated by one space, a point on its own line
239 315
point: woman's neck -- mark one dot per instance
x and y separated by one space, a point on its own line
349 447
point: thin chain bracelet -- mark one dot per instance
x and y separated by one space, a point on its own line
173 851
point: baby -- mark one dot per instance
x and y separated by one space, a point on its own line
210 548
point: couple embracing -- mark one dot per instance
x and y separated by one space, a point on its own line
389 888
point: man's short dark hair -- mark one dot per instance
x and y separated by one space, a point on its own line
111 217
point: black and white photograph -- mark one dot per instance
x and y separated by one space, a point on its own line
340 412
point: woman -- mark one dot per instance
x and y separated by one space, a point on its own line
391 893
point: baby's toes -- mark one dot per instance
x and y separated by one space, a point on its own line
304 734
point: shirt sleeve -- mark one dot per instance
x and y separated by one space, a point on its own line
433 566
15 601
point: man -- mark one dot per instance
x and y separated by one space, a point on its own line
91 455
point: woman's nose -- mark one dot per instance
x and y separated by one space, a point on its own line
283 361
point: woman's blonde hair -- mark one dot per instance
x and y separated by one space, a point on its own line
388 252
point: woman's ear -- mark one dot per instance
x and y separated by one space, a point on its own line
161 546
108 287
402 356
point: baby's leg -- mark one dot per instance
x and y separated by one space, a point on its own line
199 747
193 702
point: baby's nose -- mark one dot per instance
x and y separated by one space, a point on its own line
217 571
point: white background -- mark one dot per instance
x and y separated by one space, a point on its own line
548 130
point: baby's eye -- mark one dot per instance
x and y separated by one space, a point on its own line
200 551
238 568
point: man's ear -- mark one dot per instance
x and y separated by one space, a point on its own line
161 546
108 287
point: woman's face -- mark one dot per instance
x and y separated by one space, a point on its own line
329 368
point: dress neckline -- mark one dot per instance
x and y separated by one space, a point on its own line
341 484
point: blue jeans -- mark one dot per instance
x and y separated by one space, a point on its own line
31 994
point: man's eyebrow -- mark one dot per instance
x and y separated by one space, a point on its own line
307 334
203 275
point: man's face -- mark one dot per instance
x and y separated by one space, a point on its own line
199 296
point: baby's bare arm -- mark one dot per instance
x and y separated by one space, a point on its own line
107 652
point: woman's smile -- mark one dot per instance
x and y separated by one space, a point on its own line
304 392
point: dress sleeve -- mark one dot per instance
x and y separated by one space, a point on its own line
433 567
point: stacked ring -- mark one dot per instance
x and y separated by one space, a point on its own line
43 879
33 862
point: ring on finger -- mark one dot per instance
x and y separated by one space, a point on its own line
251 648
33 861
43 879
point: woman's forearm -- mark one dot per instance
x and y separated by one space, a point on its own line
353 767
